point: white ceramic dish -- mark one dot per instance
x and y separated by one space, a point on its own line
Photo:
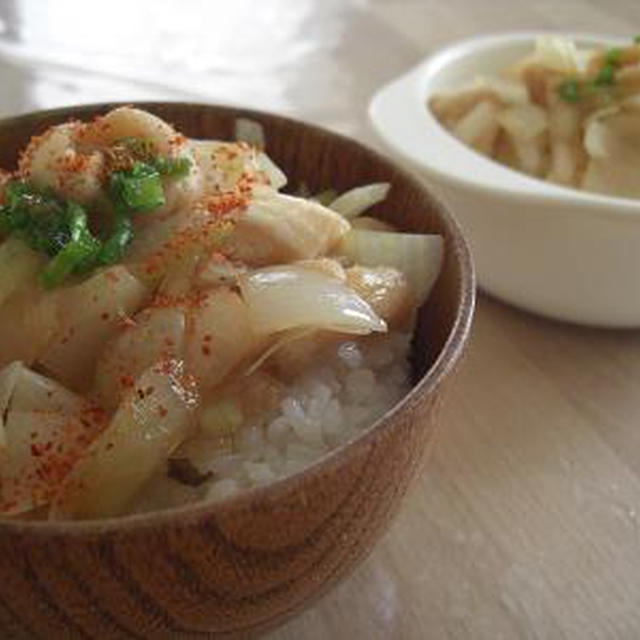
556 251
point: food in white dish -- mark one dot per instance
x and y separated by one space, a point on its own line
564 114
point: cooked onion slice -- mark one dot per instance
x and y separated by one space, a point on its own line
250 131
155 334
287 297
91 313
277 178
46 429
417 256
355 201
8 379
22 389
150 423
524 122
219 336
33 391
505 90
18 265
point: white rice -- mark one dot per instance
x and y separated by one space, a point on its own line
343 392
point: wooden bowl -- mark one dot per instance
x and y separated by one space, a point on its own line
245 564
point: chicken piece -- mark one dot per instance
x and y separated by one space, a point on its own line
162 246
278 228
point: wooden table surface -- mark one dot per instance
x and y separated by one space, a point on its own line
526 523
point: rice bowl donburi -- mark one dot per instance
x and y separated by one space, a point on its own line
176 328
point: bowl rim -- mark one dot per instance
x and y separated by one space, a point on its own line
428 384
419 131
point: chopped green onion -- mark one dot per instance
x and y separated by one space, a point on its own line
59 227
613 57
605 77
138 190
115 246
141 148
637 40
569 90
172 167
66 261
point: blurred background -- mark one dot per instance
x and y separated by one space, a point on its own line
317 59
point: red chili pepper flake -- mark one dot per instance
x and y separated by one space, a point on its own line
206 351
190 301
110 446
207 337
169 342
126 322
162 411
199 234
126 381
36 449
104 315
178 140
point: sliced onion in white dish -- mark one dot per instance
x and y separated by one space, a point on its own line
288 297
506 90
147 427
557 53
524 121
417 256
355 201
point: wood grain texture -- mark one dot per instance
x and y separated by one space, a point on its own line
252 561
